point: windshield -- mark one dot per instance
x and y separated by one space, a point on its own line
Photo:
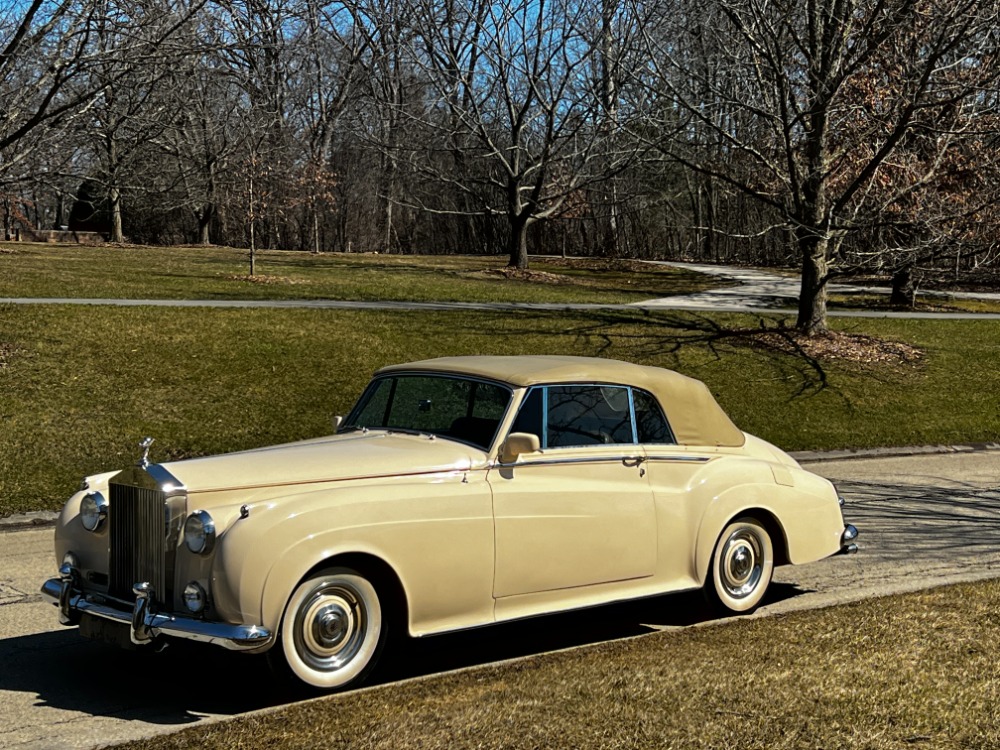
452 407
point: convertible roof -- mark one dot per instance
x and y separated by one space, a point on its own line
692 411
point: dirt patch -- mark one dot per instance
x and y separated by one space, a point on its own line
8 251
834 345
592 265
267 280
599 264
522 274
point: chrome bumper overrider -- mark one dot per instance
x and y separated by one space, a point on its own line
847 545
144 623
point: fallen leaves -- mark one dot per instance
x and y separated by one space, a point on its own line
834 345
523 274
266 280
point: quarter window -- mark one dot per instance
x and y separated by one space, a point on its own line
649 420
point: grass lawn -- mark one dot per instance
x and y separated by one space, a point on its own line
66 271
915 670
79 386
925 303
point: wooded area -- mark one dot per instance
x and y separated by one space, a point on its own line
844 136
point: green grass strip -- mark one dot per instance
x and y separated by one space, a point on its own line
70 271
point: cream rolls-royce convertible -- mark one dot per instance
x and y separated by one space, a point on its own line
457 493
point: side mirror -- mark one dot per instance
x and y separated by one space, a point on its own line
337 421
516 444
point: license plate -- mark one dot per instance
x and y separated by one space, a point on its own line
107 631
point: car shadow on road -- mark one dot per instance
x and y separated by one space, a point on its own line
184 682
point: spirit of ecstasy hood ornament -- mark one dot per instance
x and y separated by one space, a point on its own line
144 458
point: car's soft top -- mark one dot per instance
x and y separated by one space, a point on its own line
693 413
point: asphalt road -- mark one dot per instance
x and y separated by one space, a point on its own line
924 520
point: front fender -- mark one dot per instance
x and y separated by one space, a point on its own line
437 536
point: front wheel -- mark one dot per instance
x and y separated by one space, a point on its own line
332 632
742 564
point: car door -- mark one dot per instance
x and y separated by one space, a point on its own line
580 511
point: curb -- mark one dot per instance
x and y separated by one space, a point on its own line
901 452
32 520
45 518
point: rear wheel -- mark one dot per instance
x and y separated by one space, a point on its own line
332 632
742 563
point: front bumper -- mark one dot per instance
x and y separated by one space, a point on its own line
144 623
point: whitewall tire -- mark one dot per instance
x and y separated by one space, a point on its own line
332 632
742 564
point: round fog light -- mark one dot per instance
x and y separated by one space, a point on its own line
71 560
195 598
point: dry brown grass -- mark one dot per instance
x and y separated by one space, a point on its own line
912 671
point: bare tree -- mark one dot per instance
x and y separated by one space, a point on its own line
44 45
511 88
782 105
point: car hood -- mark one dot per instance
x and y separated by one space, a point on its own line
359 455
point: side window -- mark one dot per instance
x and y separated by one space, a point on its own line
529 418
588 415
649 420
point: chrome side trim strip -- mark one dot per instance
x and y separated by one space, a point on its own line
574 460
232 637
681 459
603 460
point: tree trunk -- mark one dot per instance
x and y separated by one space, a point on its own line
115 207
205 225
904 291
518 243
812 296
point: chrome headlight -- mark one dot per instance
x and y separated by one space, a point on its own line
93 510
199 532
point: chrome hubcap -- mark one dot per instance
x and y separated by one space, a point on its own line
330 627
741 566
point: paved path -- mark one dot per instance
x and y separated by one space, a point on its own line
924 520
666 303
755 289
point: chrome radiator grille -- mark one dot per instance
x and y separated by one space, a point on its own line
139 529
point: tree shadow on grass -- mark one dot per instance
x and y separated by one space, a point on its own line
657 334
